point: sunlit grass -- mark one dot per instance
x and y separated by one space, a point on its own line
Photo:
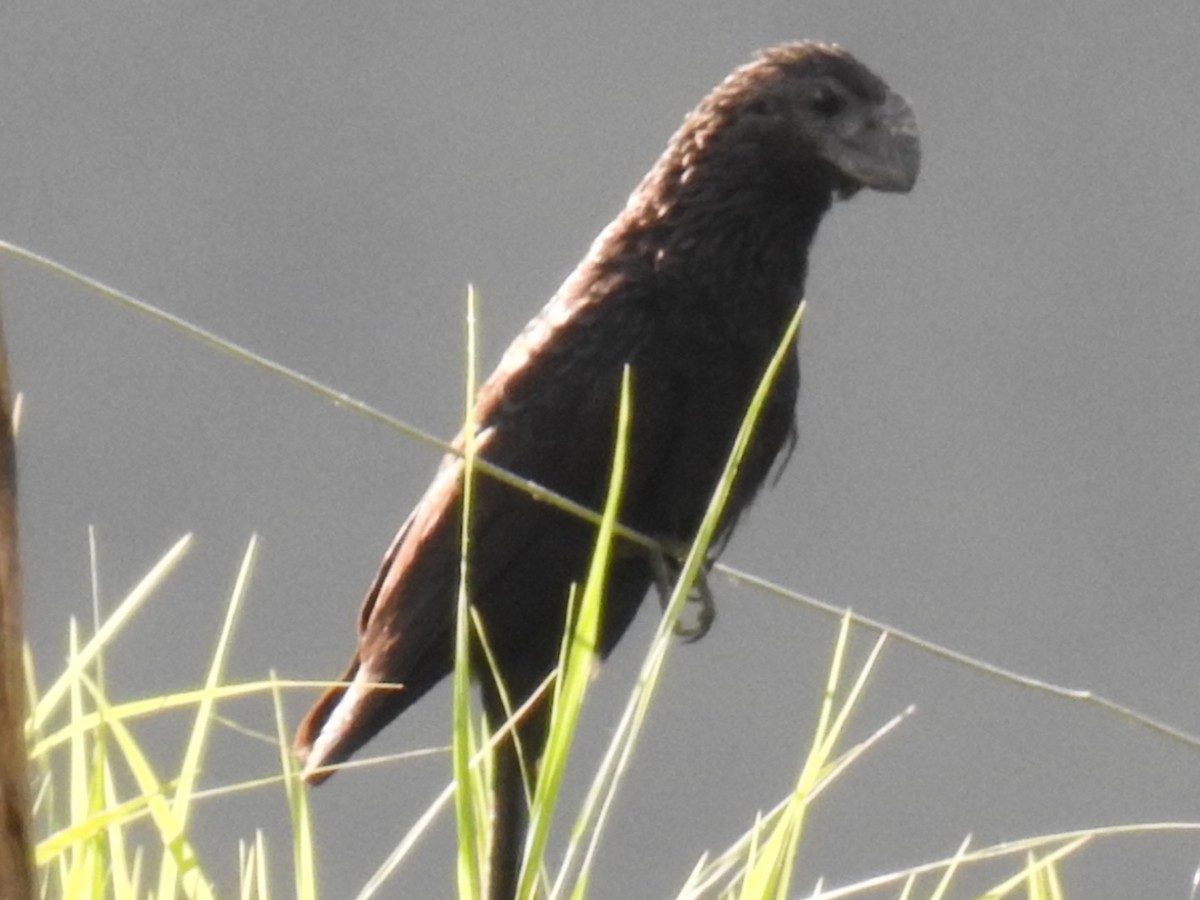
91 845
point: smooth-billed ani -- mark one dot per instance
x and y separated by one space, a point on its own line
691 285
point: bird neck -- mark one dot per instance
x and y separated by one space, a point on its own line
728 239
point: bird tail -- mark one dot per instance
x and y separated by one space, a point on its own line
344 718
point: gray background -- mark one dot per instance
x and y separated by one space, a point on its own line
998 426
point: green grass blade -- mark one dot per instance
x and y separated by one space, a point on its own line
152 794
123 876
303 845
54 694
769 873
943 885
1039 874
77 779
148 706
180 865
579 658
472 839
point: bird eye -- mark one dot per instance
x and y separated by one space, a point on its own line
827 102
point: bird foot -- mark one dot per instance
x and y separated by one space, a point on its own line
666 573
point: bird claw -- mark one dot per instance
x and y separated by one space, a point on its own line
665 575
705 615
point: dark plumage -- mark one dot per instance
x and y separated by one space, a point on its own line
692 285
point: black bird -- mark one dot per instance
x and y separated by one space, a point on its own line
692 286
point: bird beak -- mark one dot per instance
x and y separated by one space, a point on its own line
885 153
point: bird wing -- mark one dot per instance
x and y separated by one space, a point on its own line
538 416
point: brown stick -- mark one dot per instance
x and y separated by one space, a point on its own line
16 861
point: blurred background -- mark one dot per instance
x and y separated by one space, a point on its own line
998 425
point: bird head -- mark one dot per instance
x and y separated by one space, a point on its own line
813 112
